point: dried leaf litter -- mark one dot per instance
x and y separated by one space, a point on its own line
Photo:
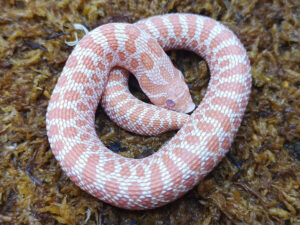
257 183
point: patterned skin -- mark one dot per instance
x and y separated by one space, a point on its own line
204 137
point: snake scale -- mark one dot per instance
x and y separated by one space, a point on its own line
204 137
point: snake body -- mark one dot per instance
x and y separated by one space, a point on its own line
204 137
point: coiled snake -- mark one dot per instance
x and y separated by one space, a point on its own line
204 137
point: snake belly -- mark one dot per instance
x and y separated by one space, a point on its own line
197 147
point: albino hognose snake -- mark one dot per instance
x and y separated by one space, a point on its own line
204 137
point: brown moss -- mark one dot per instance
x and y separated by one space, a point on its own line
258 183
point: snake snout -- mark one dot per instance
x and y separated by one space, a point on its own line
190 108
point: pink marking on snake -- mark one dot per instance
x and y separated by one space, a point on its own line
73 155
72 95
54 130
239 69
161 27
230 50
64 114
222 118
70 132
192 26
72 62
89 172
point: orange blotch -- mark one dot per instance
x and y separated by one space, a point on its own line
221 117
174 20
156 123
62 81
232 87
225 35
194 44
73 155
161 27
146 162
57 147
188 129
148 116
130 46
70 132
156 185
191 159
112 187
192 25
81 123
135 191
174 172
71 62
53 130
72 95
82 107
89 91
109 166
108 31
85 137
224 63
226 143
89 43
55 97
205 127
140 171
132 31
64 113
192 139
80 78
95 148
88 63
230 103
145 83
134 63
239 69
121 56
207 28
88 174
213 143
95 78
125 171
109 57
101 66
117 88
230 50
147 61
165 73
155 47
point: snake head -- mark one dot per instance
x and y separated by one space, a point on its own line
178 97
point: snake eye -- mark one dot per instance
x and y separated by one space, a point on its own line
170 103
